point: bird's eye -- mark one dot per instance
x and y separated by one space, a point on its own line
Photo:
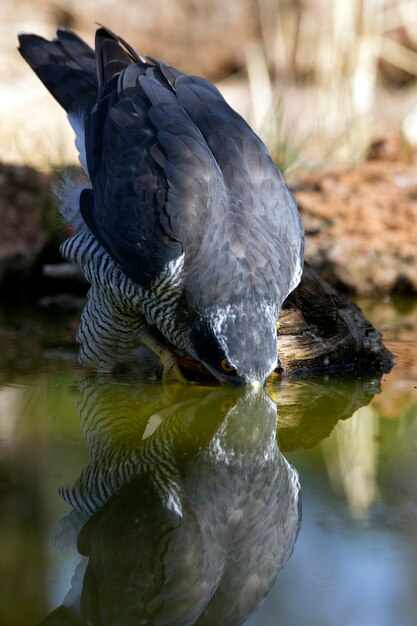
226 367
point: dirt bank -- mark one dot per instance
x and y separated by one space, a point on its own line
361 222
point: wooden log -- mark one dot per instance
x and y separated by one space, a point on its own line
322 329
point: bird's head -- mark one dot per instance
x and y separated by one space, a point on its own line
236 343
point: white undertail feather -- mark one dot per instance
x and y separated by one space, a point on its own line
77 123
67 195
68 192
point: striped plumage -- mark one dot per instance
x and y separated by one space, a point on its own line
188 524
118 310
186 229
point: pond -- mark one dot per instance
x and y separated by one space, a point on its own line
127 502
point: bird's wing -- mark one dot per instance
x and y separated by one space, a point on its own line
153 174
261 236
151 169
175 171
242 157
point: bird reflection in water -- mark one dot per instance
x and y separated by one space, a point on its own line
186 513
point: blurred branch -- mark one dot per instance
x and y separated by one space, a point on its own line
399 55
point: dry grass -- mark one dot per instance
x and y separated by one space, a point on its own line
334 51
312 68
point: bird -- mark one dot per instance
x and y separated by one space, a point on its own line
185 514
185 228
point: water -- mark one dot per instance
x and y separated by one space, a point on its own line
120 498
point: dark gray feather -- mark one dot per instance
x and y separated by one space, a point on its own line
174 171
261 215
66 66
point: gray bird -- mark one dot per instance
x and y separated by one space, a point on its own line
185 515
186 230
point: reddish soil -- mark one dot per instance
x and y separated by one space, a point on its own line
361 221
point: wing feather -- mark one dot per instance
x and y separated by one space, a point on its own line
174 171
261 216
153 175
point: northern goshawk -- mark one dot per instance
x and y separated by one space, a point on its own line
186 230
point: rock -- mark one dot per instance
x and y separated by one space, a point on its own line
360 225
24 200
393 147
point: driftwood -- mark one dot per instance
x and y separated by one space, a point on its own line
321 329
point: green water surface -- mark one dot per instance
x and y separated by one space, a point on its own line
125 502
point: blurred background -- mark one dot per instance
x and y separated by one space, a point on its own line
330 86
318 79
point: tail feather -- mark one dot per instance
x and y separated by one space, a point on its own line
74 74
78 51
112 58
66 66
